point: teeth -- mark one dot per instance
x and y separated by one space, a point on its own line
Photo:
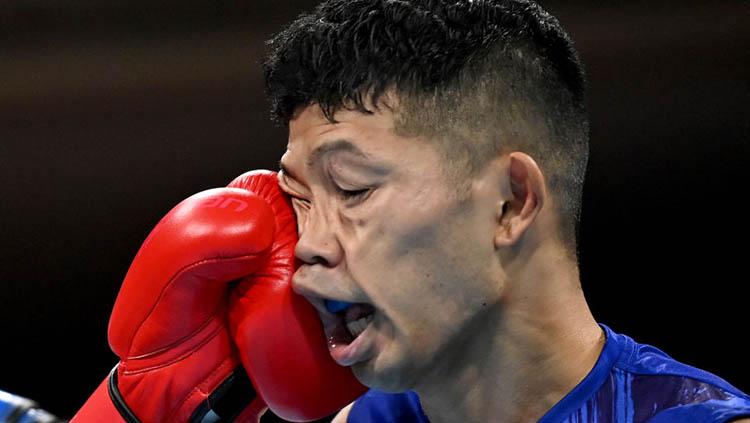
358 326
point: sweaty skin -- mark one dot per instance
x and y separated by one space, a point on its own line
479 308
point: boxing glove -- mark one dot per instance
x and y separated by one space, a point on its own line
178 361
279 334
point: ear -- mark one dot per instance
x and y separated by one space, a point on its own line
528 193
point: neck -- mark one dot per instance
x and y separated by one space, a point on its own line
523 355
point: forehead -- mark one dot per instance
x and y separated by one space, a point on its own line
310 124
370 147
363 136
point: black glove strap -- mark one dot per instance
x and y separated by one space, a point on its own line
117 400
224 404
228 400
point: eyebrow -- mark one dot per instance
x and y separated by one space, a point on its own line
323 150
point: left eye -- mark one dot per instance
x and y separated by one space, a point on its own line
352 194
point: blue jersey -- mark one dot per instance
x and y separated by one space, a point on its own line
630 383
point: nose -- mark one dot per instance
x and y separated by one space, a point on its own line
317 243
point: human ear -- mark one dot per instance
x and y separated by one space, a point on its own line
528 192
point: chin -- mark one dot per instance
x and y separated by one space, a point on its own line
387 373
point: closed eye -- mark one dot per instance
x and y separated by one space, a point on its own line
349 195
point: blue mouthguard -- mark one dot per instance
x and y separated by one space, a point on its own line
336 306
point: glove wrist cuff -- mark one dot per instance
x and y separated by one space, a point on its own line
114 394
228 400
233 396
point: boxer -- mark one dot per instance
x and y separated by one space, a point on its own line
436 158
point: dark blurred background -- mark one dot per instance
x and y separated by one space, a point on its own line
113 112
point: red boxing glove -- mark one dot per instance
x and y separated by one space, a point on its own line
169 324
279 334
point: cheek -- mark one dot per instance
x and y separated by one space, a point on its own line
433 269
394 228
409 255
411 247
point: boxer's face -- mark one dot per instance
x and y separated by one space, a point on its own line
404 244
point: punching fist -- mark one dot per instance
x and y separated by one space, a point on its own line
179 314
279 334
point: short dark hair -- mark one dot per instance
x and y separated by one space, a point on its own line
480 77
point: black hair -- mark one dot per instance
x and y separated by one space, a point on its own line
484 76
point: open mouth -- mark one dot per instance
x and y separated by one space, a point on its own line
348 327
344 333
350 323
357 317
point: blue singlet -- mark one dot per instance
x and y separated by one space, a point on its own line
630 383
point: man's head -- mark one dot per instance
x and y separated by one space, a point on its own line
450 124
478 78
